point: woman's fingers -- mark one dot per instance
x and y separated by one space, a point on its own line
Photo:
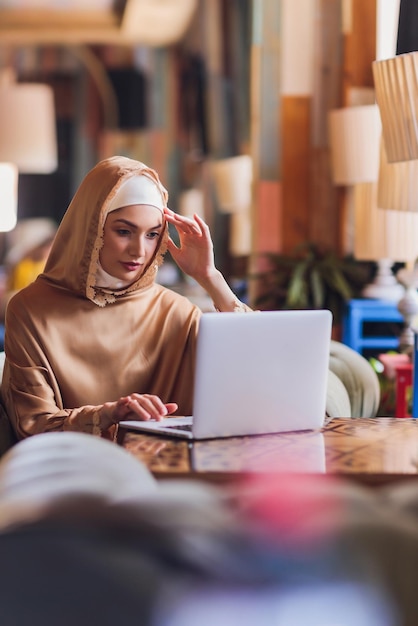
185 224
201 222
145 407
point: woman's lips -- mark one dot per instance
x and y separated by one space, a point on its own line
131 267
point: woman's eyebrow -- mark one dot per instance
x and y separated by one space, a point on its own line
132 225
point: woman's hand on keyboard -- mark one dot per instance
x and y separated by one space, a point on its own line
136 406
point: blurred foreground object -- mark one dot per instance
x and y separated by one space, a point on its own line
80 514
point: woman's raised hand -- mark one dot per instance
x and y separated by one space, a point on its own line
194 256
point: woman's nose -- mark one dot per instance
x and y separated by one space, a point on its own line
136 247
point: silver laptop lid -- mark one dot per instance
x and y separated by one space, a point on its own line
261 372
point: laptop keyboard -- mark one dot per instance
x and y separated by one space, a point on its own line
187 427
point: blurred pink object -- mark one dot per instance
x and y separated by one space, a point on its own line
391 361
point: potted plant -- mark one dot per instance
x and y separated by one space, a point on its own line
311 278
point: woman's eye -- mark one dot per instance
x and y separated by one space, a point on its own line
123 232
153 235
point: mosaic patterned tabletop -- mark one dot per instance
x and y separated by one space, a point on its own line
379 448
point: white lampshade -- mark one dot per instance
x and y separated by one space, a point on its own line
240 234
233 183
396 85
8 196
382 234
397 187
157 23
354 134
191 201
27 127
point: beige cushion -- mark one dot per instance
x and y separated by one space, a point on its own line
338 402
358 377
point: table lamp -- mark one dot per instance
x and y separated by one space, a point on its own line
397 185
27 125
397 193
233 179
28 142
354 134
355 137
383 235
396 88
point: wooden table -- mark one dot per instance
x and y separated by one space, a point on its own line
372 451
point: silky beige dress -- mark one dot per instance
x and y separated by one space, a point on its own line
72 346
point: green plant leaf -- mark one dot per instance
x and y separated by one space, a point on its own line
317 289
338 282
310 277
297 295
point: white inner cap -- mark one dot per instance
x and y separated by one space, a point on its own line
138 190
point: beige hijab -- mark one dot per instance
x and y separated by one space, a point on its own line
74 258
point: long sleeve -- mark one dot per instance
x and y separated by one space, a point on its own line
66 357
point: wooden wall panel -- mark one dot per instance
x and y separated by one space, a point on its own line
327 68
312 208
359 43
267 196
265 133
324 216
296 158
360 46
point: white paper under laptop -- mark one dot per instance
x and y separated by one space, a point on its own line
256 373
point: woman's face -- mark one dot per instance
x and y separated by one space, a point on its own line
130 239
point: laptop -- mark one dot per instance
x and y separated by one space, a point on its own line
256 373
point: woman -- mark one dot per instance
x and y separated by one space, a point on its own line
95 340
